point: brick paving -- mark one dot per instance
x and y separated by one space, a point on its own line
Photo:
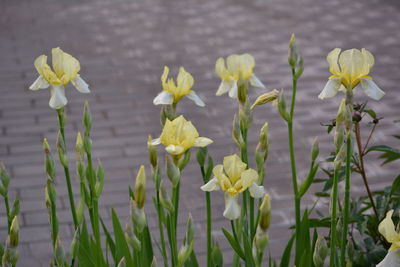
123 46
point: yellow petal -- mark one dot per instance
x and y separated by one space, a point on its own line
332 59
248 177
368 61
164 77
352 65
233 167
387 228
223 181
71 67
185 82
44 70
57 61
247 64
221 70
40 63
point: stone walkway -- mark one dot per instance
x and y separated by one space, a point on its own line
123 45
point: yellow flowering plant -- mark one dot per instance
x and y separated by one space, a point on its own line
241 177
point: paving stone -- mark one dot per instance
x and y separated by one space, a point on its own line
123 46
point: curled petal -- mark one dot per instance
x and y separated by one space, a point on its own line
57 99
332 59
224 87
175 150
232 207
371 89
331 88
392 259
212 185
196 99
163 98
387 228
81 85
39 83
202 141
233 92
256 191
254 81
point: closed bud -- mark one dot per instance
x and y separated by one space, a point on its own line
80 210
131 238
314 149
183 161
189 235
14 233
340 157
282 106
4 177
59 252
164 198
293 55
188 243
216 256
201 155
236 135
173 172
265 213
152 152
99 180
320 252
87 144
62 151
138 216
266 98
338 138
87 117
79 146
140 187
49 162
260 241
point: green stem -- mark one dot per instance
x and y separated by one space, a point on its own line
61 123
346 200
161 230
209 219
297 199
334 201
175 200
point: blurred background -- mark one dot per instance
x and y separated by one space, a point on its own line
123 46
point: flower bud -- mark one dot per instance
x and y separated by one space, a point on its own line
173 172
183 161
340 157
282 106
188 243
14 233
131 238
320 252
140 187
62 151
80 210
216 256
138 216
154 262
74 248
87 117
266 98
98 187
236 136
265 213
152 152
164 198
79 146
4 177
293 55
260 241
49 162
314 149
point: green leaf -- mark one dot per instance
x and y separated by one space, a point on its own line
84 253
109 239
121 246
389 153
248 251
285 259
147 246
238 249
305 185
370 112
192 260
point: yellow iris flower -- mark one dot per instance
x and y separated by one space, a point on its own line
233 178
388 230
236 67
65 70
173 92
180 135
349 69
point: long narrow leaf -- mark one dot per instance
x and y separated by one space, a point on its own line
238 249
